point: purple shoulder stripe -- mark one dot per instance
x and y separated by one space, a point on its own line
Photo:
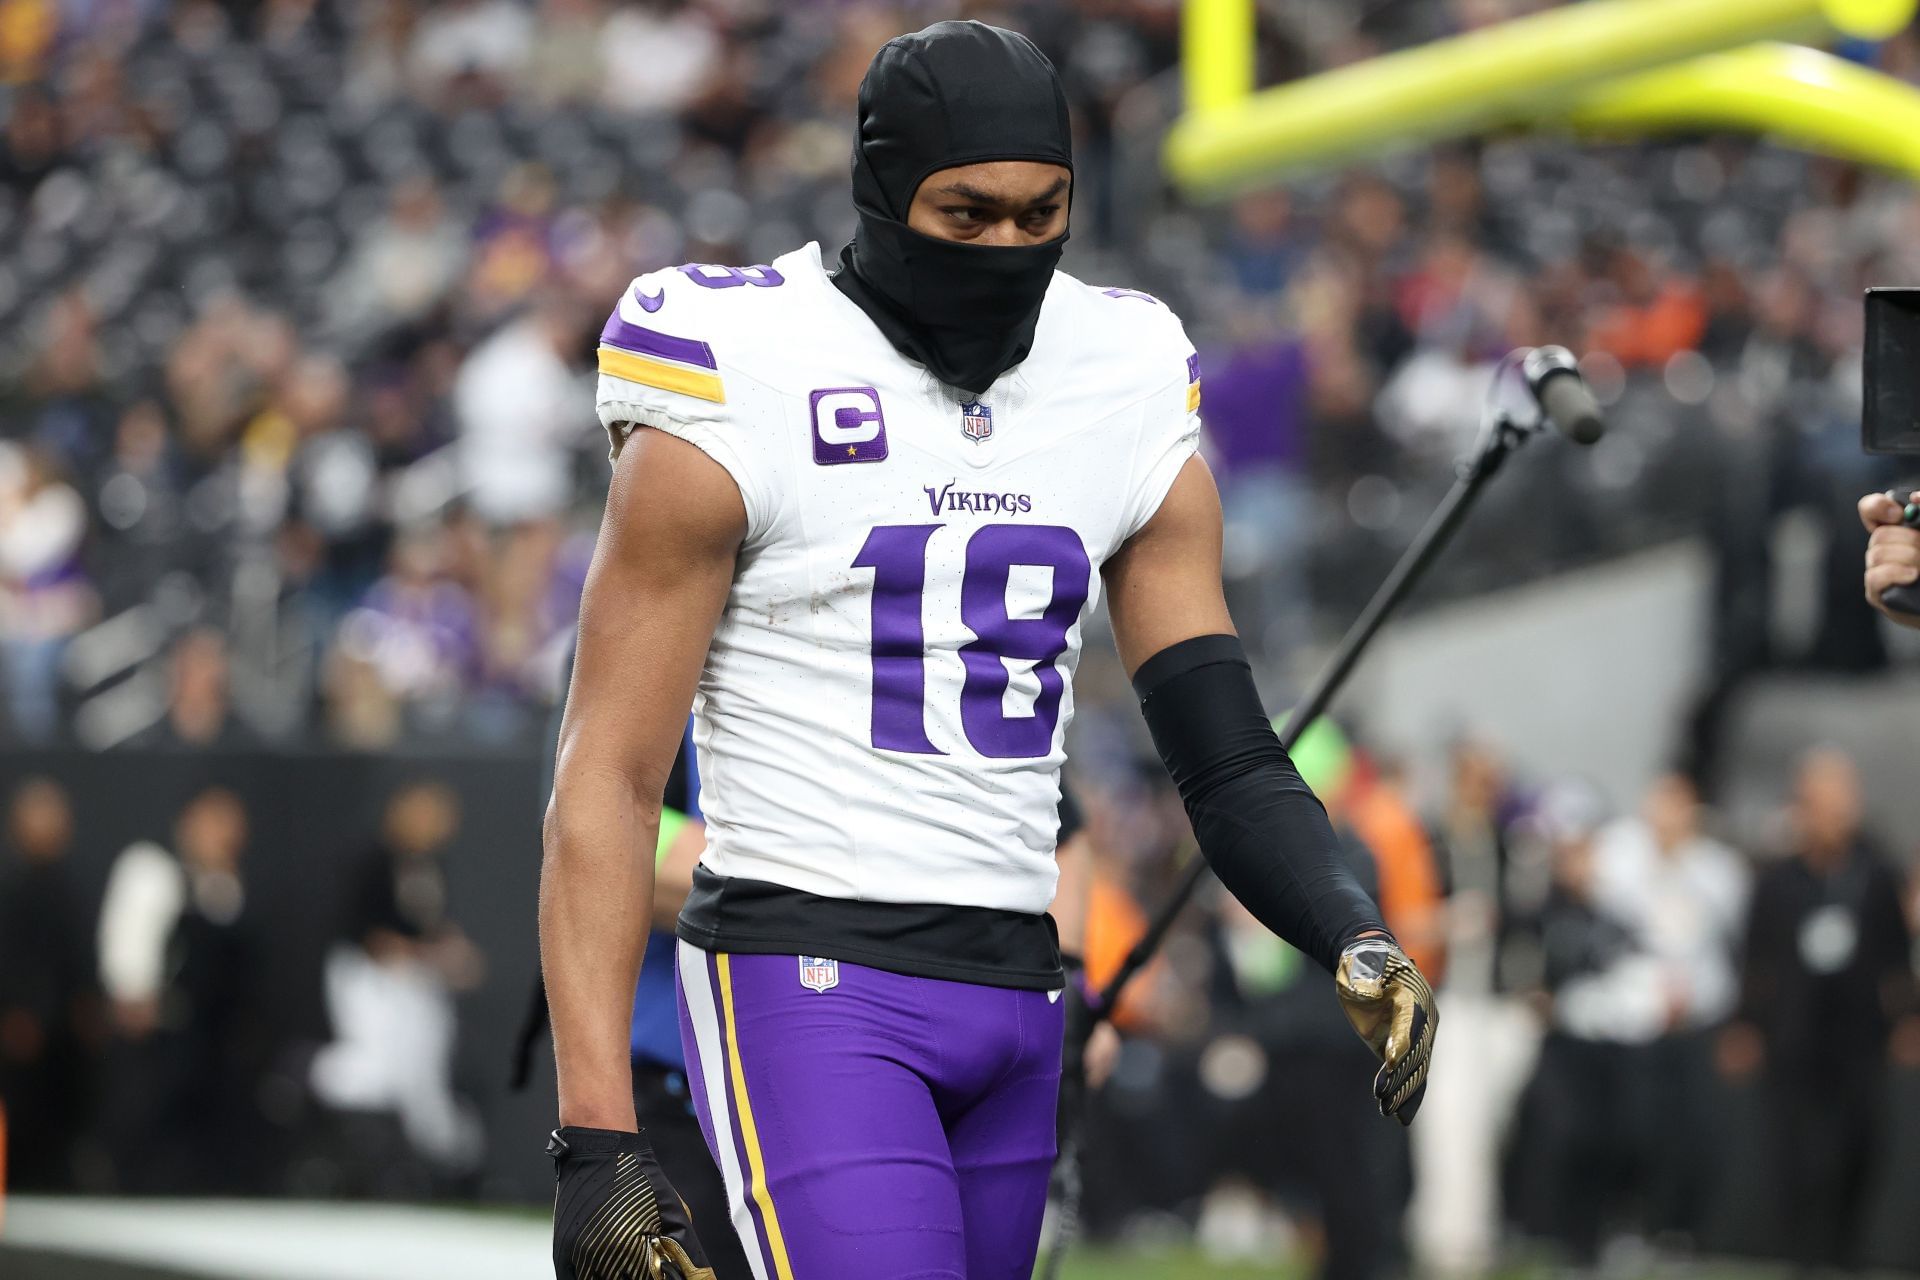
650 342
1193 367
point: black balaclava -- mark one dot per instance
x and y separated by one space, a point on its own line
956 93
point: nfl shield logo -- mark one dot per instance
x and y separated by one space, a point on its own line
976 420
817 973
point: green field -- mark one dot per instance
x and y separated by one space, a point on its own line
1106 1265
53 1238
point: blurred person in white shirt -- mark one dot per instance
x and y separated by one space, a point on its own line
391 980
402 266
517 400
1682 896
1682 893
1579 1121
475 45
675 42
1455 1215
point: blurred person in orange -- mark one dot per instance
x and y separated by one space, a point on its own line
1376 804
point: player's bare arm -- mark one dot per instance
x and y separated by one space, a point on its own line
1257 823
1163 586
659 578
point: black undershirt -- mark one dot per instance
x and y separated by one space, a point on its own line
983 945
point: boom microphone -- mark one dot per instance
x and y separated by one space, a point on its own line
1553 376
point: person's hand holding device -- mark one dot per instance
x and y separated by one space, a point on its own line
1890 424
1893 557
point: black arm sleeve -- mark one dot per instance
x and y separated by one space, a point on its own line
1259 826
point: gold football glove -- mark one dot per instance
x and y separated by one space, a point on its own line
1392 1008
615 1215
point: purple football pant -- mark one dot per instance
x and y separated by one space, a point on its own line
885 1127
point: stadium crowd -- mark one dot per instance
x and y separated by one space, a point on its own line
297 449
294 341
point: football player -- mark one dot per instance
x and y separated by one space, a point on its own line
860 509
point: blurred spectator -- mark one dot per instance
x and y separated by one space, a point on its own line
565 64
32 146
69 408
1481 1064
1266 246
1586 1117
1659 312
199 715
415 642
403 266
1828 972
1255 394
45 985
1375 800
531 601
1339 1168
44 595
518 402
179 960
390 983
332 471
137 501
675 42
468 51
1681 896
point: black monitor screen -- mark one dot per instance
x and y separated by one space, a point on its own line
1890 417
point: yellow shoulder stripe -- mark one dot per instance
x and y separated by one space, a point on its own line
697 383
1193 396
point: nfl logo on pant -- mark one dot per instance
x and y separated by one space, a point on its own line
976 420
817 973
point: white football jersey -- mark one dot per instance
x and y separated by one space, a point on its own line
884 704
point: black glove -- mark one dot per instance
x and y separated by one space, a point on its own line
1392 1008
615 1215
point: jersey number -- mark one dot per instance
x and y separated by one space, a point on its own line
897 554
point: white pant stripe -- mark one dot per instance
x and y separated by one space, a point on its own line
694 980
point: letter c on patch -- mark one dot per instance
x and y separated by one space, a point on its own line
848 426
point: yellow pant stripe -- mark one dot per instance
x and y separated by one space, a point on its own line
776 1243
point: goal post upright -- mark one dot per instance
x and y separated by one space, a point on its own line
1537 70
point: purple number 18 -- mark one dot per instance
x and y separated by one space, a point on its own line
897 554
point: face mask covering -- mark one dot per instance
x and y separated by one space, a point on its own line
956 93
